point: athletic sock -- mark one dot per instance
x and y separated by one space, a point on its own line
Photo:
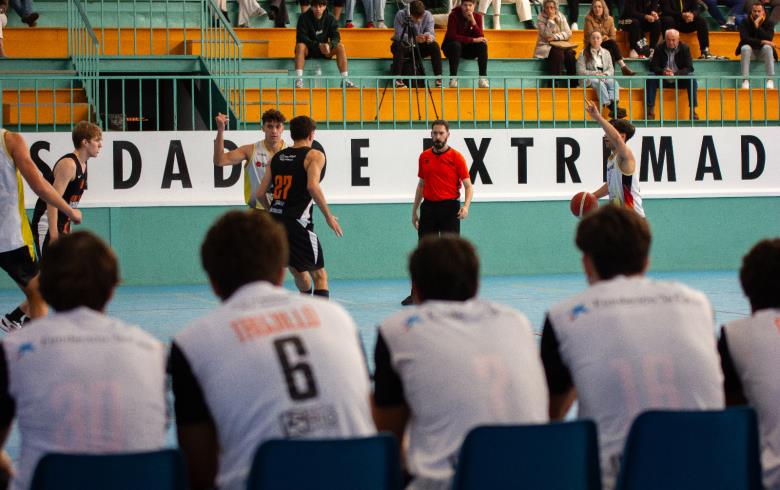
305 293
322 292
344 74
299 73
16 315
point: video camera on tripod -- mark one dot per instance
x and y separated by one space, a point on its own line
411 59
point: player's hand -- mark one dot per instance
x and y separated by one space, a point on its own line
333 222
221 121
463 212
480 40
421 38
668 72
592 109
415 221
75 215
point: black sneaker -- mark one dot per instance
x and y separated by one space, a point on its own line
407 301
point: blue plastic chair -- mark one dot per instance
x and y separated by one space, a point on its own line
553 456
692 450
359 463
156 470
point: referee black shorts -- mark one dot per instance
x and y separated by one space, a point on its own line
20 265
305 247
439 217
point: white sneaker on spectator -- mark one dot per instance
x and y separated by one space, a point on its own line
298 83
745 84
770 84
483 83
381 25
347 83
453 83
575 27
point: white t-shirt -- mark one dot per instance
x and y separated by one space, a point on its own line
84 383
14 228
460 365
628 345
273 364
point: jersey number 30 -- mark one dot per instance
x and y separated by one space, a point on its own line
297 372
282 185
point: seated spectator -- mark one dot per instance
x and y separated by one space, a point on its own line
735 9
756 40
749 352
25 10
374 10
267 363
246 10
598 19
596 62
3 23
573 9
452 363
628 343
421 23
640 17
553 27
671 59
465 39
79 381
772 5
684 16
317 36
522 7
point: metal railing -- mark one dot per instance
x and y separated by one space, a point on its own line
190 102
84 51
221 53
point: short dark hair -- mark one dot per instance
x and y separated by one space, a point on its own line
472 1
416 8
78 269
301 127
440 122
445 268
760 275
272 115
623 127
318 2
243 247
616 239
85 130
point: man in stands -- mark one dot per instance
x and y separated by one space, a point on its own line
317 36
79 381
671 58
452 363
465 39
266 363
685 16
628 343
750 352
420 22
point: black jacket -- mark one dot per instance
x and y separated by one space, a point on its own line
312 31
675 8
637 9
682 59
751 35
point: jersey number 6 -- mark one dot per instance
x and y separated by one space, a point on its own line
297 373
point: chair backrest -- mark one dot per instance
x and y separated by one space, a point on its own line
551 456
692 449
365 462
156 470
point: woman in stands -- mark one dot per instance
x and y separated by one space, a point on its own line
552 42
596 62
598 19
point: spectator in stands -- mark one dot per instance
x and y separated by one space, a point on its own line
3 23
671 59
773 5
573 9
596 62
598 19
756 36
420 21
246 10
641 17
452 363
684 16
79 381
25 10
374 10
522 7
552 42
465 39
627 343
730 23
749 352
317 36
267 363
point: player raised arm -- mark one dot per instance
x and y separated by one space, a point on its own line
625 157
233 157
315 160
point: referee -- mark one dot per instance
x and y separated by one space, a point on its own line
441 170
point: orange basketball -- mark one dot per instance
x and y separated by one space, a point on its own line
582 203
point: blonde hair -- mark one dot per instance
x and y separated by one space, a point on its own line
605 11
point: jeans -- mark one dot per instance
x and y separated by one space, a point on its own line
375 10
607 88
689 85
22 7
766 53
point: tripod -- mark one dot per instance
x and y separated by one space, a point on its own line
410 47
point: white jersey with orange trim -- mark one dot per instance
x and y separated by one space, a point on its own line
83 382
254 170
633 344
754 346
274 364
623 188
14 228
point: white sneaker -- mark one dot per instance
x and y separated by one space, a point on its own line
347 83
575 27
770 84
381 25
745 84
483 83
496 22
298 83
453 83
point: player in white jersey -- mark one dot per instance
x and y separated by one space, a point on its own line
256 157
17 246
79 381
628 343
622 185
750 352
452 363
267 363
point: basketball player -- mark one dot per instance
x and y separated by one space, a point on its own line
454 361
70 181
79 381
622 184
256 157
627 343
750 352
17 248
295 174
266 363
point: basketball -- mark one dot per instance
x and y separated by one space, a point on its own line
582 203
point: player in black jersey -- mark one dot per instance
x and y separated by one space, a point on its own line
69 179
296 173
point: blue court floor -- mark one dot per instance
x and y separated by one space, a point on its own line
164 310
